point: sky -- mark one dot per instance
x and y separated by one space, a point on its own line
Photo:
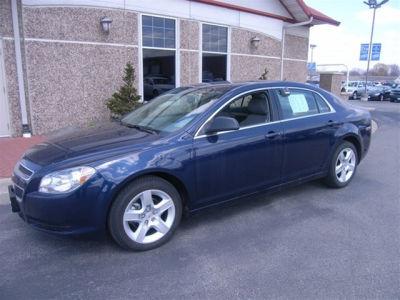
341 45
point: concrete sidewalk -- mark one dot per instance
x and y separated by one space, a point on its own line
11 150
4 183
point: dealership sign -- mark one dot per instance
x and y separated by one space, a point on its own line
375 54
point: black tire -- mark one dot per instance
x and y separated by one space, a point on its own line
354 96
331 179
115 218
381 98
156 93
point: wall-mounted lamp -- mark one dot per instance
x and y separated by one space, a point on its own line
255 41
105 23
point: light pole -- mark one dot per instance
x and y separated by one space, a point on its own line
312 47
374 5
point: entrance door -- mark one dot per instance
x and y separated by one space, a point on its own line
4 117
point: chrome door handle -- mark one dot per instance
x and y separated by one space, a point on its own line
272 135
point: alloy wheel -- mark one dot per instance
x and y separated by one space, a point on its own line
345 165
149 216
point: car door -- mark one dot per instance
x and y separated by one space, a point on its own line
233 163
309 126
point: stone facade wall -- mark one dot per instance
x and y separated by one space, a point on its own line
70 82
80 24
72 66
5 18
189 67
189 38
241 43
249 68
294 70
331 82
71 88
296 47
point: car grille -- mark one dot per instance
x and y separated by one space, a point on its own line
20 179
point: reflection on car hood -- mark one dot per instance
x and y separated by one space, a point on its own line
99 138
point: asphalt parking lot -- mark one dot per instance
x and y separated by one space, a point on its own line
308 242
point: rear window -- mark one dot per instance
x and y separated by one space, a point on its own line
322 105
298 103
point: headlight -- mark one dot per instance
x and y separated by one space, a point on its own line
66 180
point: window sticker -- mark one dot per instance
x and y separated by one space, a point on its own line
298 103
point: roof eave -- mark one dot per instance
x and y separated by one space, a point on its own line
317 15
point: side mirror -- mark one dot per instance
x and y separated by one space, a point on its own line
219 124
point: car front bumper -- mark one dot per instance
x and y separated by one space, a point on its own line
80 212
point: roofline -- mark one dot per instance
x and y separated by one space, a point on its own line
310 12
246 9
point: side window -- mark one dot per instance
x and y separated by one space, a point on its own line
322 105
249 110
298 103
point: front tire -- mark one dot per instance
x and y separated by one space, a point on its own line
343 166
354 96
145 214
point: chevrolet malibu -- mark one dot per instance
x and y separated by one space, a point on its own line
188 149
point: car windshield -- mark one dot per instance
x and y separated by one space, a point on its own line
172 111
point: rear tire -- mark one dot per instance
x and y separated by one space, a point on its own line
145 214
343 166
354 96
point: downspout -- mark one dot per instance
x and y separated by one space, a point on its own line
284 27
20 72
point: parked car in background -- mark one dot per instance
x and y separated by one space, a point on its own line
156 85
382 90
186 151
375 95
395 93
355 89
375 92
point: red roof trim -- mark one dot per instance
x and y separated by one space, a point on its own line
246 9
311 12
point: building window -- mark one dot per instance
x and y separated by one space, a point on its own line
215 38
158 32
159 55
214 55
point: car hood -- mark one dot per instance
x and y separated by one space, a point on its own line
106 137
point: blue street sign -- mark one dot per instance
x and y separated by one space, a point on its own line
375 53
364 51
312 67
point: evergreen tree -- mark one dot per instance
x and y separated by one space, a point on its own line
126 99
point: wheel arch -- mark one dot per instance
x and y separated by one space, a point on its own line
353 139
172 179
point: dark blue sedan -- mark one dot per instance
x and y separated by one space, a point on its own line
185 150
